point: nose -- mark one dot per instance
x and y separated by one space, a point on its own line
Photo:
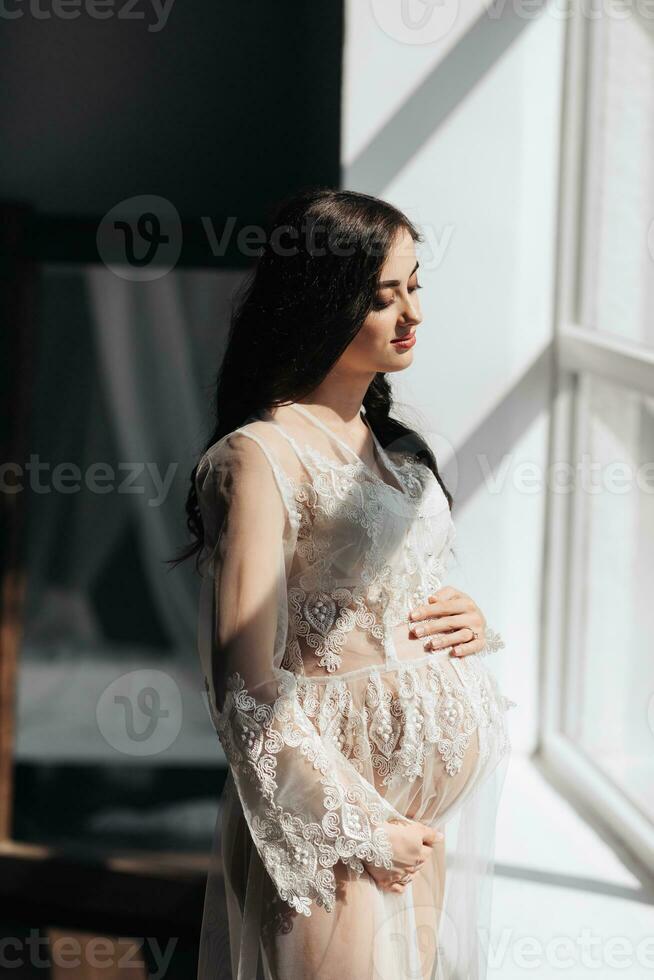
410 312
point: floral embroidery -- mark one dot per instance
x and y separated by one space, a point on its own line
494 642
324 619
298 853
322 611
393 729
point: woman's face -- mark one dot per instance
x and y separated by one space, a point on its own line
378 346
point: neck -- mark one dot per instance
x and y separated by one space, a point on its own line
341 394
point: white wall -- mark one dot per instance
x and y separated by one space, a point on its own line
461 132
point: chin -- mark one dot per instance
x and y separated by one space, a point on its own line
399 363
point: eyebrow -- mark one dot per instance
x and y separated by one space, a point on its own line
396 282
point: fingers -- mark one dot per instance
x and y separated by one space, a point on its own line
443 624
443 640
459 640
430 835
440 608
420 850
465 649
415 868
399 884
445 592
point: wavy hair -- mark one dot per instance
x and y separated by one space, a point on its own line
308 294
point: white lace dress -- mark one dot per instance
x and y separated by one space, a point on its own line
334 719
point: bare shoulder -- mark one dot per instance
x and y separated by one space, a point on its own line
253 447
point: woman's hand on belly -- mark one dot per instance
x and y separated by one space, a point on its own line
449 620
411 844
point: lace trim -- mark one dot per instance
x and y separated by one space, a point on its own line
324 619
298 854
407 471
393 731
323 614
492 704
494 642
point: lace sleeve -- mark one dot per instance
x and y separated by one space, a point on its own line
306 806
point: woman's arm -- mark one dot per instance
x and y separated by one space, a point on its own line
306 806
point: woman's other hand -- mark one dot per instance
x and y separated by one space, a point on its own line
412 844
448 620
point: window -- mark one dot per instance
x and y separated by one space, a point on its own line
598 718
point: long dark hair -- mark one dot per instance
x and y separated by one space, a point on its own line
312 286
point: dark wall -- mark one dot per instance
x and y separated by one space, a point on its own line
222 110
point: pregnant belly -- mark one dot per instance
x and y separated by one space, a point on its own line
424 731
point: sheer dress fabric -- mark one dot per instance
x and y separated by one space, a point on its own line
333 719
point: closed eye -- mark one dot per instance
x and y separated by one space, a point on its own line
380 304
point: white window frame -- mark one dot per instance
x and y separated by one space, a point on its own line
579 351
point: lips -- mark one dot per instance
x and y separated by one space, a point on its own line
405 342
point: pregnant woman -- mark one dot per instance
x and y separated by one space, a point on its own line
365 736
